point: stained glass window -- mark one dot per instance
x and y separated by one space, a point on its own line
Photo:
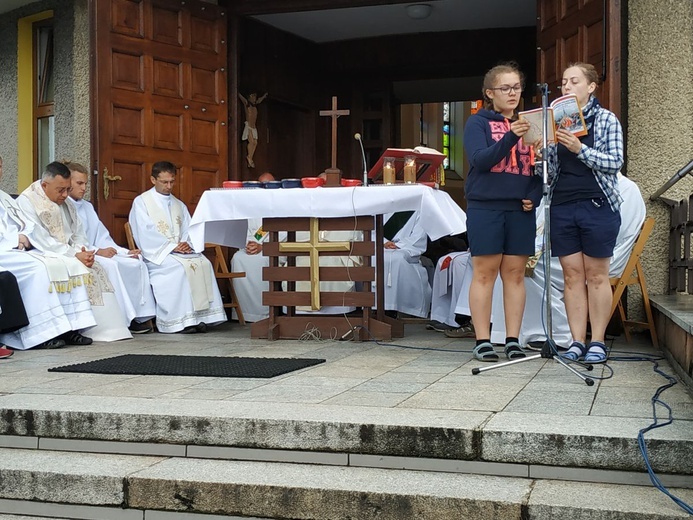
446 134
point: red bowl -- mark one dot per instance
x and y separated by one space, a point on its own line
312 182
350 183
232 184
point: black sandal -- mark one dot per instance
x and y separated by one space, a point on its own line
75 338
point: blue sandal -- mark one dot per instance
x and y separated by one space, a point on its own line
575 351
485 352
596 353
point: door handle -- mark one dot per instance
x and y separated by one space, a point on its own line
106 180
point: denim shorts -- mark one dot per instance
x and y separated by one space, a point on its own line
584 226
492 232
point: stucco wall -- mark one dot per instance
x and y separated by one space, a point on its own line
71 70
660 115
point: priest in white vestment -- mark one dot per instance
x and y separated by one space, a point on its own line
129 263
58 233
533 322
56 300
185 289
407 289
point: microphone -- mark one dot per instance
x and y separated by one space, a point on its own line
357 136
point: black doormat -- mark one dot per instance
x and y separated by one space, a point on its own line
207 366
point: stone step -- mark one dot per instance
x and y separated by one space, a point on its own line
515 444
121 487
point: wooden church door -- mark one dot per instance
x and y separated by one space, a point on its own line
581 30
160 95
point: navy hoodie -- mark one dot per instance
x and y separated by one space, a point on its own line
500 173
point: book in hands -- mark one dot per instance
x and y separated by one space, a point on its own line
563 112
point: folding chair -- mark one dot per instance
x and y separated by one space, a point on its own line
619 284
221 272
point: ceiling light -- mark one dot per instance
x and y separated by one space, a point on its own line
419 11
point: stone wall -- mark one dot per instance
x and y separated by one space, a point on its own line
71 70
659 135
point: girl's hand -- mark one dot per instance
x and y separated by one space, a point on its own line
520 127
568 140
527 205
538 146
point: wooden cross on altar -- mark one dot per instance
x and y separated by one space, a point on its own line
334 114
314 247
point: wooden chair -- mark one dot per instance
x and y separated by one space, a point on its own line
129 237
221 272
619 284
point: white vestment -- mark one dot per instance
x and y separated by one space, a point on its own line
249 289
533 322
406 281
184 286
51 312
133 271
58 232
446 292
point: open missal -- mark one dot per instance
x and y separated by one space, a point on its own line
428 161
563 112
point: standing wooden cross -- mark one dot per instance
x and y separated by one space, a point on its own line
334 114
314 247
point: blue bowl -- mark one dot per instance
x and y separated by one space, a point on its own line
272 185
291 183
252 184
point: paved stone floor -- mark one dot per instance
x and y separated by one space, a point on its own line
425 370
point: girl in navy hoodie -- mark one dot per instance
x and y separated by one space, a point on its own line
501 192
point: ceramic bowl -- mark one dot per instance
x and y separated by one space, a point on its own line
232 184
350 183
291 183
272 185
312 182
252 184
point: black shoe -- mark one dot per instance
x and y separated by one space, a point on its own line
140 327
52 343
75 338
201 327
438 326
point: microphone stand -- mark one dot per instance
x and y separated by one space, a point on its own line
548 349
363 158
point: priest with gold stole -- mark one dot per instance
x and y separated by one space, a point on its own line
58 233
185 289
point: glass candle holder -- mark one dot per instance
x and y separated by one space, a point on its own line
409 169
388 170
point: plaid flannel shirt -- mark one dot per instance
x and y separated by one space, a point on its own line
605 158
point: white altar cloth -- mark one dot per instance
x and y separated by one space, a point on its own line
221 215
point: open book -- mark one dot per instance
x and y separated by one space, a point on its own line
564 112
428 160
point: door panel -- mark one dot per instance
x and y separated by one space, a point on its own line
161 86
573 30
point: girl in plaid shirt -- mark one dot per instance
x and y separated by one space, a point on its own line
585 216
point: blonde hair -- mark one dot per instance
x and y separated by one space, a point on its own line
510 67
588 70
75 166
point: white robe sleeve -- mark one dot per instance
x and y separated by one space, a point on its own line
9 232
633 213
40 237
412 238
155 247
97 234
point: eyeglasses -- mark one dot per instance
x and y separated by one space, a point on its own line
505 89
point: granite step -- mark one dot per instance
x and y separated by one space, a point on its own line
505 443
125 487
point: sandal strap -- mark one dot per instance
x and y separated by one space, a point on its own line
575 351
513 350
485 352
596 353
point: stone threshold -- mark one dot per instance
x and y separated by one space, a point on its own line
477 467
116 487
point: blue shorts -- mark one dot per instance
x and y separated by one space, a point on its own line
584 226
493 231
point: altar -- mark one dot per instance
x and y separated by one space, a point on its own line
221 218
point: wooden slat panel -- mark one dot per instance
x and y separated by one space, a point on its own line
326 224
302 299
327 274
294 327
358 249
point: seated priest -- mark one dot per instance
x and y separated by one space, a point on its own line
406 285
58 233
451 268
185 289
12 312
56 302
129 263
533 330
251 261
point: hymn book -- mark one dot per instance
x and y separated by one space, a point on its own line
563 112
